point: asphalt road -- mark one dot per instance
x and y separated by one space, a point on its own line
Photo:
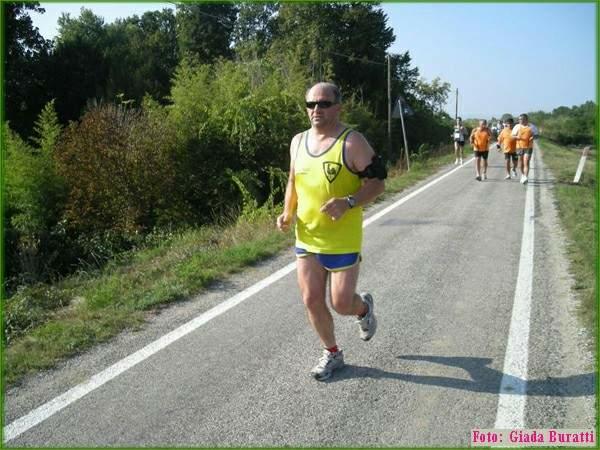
442 268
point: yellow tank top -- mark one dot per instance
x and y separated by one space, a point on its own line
318 179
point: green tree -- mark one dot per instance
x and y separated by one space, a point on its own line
47 129
575 125
358 115
363 34
434 95
332 39
204 30
404 77
25 62
79 67
141 55
35 197
253 31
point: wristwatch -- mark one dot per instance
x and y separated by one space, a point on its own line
351 201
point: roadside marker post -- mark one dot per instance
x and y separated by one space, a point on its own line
579 172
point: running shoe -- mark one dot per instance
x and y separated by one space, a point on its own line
485 176
507 177
455 162
368 323
514 173
478 178
328 362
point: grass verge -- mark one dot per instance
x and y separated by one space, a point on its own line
48 323
577 211
95 307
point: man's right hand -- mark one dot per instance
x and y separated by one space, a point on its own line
283 222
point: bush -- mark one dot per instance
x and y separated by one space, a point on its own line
34 196
30 307
421 154
119 165
239 118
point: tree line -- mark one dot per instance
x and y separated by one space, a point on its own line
568 126
174 119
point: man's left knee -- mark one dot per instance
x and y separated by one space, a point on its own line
342 302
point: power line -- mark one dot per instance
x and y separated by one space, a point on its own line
365 60
218 18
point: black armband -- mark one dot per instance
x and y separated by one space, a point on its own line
374 170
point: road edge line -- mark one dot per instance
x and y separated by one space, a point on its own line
513 387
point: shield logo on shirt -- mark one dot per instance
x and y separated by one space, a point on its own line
332 170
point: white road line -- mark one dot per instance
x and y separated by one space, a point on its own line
513 387
40 414
50 408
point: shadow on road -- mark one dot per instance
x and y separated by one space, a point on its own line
541 182
483 378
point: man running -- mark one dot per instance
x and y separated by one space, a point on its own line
480 140
524 134
509 145
460 135
334 172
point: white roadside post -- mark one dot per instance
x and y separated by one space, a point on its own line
584 155
399 111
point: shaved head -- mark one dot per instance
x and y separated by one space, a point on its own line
329 87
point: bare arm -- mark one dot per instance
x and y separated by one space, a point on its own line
360 157
514 134
291 198
472 136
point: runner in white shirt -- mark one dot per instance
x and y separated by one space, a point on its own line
459 135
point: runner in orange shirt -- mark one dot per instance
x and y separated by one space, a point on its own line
480 140
509 146
523 134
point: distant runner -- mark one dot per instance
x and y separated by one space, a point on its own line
480 140
523 133
460 136
509 145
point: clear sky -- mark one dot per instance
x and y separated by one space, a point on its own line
502 57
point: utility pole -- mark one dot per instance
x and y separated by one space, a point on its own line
456 113
389 92
401 107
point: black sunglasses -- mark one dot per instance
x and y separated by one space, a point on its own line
323 104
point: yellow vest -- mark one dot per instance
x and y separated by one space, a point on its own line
318 179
